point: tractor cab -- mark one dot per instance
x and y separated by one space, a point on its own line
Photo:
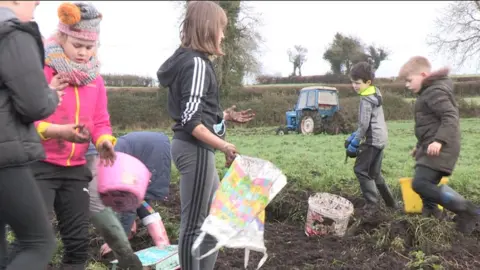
323 99
315 106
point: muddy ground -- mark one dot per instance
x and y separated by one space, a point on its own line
377 239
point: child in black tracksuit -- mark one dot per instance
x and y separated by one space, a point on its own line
199 129
438 141
369 141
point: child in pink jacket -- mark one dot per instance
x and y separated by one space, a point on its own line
63 176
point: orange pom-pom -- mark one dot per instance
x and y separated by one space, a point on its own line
69 13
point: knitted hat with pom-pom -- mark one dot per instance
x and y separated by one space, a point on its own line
79 20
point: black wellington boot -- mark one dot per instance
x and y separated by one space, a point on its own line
387 196
369 191
467 213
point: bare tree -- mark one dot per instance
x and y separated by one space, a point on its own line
298 57
458 32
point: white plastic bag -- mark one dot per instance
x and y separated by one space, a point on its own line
237 213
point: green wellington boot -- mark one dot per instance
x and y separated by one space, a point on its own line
109 227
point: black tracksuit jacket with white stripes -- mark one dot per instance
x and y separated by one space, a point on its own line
193 96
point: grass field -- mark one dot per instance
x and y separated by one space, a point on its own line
385 240
317 162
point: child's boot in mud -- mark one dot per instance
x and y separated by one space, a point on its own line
369 191
110 228
387 196
467 213
156 229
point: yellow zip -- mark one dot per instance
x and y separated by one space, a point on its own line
77 117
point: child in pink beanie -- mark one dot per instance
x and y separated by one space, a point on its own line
63 176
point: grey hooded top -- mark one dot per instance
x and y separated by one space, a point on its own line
372 127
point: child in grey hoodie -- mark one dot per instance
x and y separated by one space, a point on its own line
369 141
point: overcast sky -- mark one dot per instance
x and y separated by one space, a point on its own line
136 37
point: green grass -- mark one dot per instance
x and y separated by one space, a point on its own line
317 162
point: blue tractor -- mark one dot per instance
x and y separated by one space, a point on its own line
317 111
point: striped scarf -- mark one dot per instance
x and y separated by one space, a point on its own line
78 73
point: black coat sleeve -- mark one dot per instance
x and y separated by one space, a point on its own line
21 70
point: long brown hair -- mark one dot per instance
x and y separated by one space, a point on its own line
200 30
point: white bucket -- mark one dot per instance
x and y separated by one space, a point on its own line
327 214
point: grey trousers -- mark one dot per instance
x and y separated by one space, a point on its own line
96 204
198 182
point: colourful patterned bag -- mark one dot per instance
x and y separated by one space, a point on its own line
237 213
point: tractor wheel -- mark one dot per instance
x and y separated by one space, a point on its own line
307 125
281 131
311 123
337 124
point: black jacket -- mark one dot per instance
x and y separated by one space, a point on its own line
193 96
24 93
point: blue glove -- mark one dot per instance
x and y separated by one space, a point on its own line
350 138
352 149
355 142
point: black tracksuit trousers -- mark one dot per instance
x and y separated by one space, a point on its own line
65 193
22 208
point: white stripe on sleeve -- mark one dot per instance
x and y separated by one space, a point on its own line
196 93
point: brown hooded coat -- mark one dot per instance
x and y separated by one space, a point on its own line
437 119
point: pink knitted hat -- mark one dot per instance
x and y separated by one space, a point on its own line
79 20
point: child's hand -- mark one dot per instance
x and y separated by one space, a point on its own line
230 151
434 149
106 153
73 133
59 82
239 117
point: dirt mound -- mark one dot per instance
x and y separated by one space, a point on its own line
376 239
289 248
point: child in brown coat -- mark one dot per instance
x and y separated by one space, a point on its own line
438 141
